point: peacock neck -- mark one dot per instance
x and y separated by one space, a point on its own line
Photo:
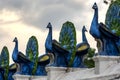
16 46
95 18
48 43
84 39
50 33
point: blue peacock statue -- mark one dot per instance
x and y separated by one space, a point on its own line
82 49
104 36
49 46
21 59
44 59
52 49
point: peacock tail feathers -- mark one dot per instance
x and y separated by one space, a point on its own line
4 61
67 39
113 17
32 52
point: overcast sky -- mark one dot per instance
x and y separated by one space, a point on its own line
24 18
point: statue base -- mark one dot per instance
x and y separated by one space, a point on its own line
38 78
28 77
102 63
21 77
55 72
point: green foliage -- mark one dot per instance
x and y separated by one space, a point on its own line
32 52
113 17
4 61
67 40
88 59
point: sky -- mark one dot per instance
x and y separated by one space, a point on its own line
25 18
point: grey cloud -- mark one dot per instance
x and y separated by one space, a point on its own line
39 12
9 22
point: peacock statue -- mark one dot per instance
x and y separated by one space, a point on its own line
21 60
52 49
94 29
48 45
44 59
48 42
82 49
103 35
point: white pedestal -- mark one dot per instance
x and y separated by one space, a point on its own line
21 77
103 62
38 78
54 72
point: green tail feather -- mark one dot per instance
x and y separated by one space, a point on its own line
4 61
67 40
32 52
113 17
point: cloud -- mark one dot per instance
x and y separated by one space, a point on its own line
8 22
39 12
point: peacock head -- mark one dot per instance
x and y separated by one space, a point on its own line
84 29
15 39
49 25
95 6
